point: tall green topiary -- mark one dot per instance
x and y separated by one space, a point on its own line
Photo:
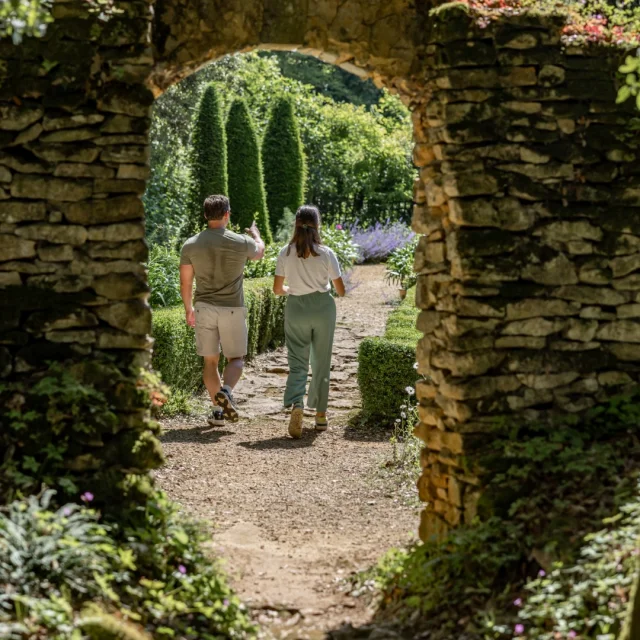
284 163
207 157
244 168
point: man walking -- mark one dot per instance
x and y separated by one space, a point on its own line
216 259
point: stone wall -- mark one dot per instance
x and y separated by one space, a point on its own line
528 200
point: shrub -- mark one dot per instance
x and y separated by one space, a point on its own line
386 365
207 158
174 352
70 573
246 182
400 265
284 162
376 242
164 276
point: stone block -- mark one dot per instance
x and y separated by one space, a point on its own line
131 317
480 387
17 118
111 339
121 286
624 266
79 337
71 122
471 184
547 380
43 188
10 279
581 330
520 342
432 527
504 213
456 326
136 250
119 186
564 345
135 172
614 378
54 233
467 364
537 327
13 247
591 295
127 154
16 211
630 283
535 307
56 153
530 398
93 212
78 170
628 311
557 271
459 411
566 231
620 331
69 135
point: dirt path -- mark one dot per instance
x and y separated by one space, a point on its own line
293 518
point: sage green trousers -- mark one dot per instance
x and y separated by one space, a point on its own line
309 326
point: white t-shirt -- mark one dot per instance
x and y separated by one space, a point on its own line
308 275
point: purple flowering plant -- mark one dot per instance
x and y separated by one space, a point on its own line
375 243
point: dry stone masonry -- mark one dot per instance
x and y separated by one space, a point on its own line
527 200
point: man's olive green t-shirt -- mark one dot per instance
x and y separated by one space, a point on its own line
218 257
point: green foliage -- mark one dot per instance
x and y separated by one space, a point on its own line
342 244
587 599
263 268
20 18
631 88
164 276
399 269
244 168
207 157
284 161
386 366
63 428
66 571
285 227
550 488
174 352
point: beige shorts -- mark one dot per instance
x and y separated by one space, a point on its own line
216 326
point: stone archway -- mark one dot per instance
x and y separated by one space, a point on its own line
528 258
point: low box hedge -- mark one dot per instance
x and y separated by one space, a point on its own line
386 364
174 350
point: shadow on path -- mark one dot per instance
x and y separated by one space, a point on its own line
282 442
203 434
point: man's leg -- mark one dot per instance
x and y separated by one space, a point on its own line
233 372
211 376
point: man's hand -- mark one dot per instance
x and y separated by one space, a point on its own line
190 316
253 231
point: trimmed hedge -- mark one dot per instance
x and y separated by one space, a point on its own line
283 162
174 351
244 168
386 364
207 158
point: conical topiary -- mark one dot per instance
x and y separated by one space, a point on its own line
283 162
207 157
244 169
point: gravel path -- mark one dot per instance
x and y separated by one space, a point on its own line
293 518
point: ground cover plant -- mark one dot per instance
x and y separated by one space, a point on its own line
553 551
68 573
400 265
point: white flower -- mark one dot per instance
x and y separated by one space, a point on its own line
398 421
403 406
410 390
403 414
415 365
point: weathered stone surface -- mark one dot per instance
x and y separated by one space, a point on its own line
557 271
614 378
535 307
581 330
121 286
132 317
39 187
73 337
128 154
66 152
467 364
520 342
133 172
628 311
54 233
591 295
534 327
55 253
17 118
76 170
119 186
70 122
69 135
60 319
111 339
16 211
620 331
104 211
12 248
548 380
479 387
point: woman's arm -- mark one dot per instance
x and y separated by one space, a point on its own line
279 287
339 286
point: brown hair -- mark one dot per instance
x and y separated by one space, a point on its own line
306 233
216 207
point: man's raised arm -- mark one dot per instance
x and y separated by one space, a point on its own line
254 233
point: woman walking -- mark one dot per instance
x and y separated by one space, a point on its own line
310 316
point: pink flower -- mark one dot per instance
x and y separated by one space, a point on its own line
339 227
571 634
182 569
518 602
66 511
519 629
542 573
87 496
